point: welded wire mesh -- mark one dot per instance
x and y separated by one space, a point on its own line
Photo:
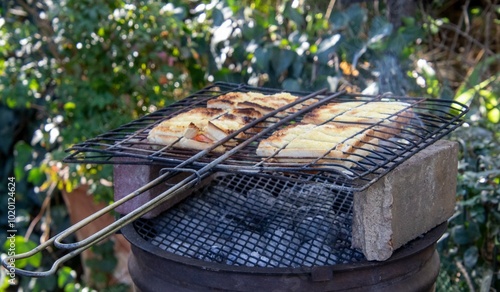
257 221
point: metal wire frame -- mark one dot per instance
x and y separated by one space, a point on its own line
433 120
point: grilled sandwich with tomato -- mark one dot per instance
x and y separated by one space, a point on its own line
201 128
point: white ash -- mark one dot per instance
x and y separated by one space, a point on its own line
248 241
281 246
303 194
279 222
216 253
260 203
315 252
315 227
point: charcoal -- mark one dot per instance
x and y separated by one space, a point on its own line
281 246
182 248
198 226
344 217
260 203
233 258
186 228
226 227
283 238
253 259
348 255
199 206
279 223
248 241
315 253
221 196
324 208
216 253
261 261
304 194
344 233
255 228
164 239
209 240
315 227
170 221
158 240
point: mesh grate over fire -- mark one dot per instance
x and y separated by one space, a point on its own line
257 221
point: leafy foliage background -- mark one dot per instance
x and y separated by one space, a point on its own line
73 69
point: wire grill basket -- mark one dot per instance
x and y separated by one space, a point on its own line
432 120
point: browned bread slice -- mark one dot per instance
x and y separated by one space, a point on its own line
260 102
232 99
281 138
171 130
333 143
200 128
306 140
371 112
386 119
232 121
329 111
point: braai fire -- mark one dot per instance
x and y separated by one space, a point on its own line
250 192
238 221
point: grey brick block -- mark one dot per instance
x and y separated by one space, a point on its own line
130 177
416 196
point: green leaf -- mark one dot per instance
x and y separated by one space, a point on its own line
465 96
353 49
291 84
339 20
474 79
69 106
262 58
293 14
357 17
297 68
252 31
33 85
23 156
48 283
218 17
281 60
36 176
8 124
471 256
18 245
464 235
65 276
494 115
71 287
379 29
327 47
486 281
491 105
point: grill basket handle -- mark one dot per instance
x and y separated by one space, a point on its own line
78 247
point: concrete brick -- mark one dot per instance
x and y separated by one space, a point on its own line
416 196
130 177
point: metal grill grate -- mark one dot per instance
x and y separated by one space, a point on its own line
253 221
128 144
